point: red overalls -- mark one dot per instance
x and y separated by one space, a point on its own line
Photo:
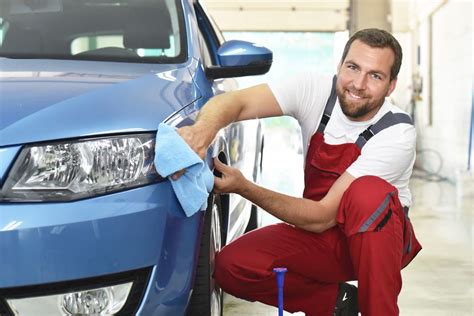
373 241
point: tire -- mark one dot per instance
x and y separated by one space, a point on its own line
254 220
207 297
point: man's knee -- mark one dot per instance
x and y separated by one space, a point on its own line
224 267
368 192
242 273
365 203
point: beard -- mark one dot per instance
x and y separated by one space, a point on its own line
357 110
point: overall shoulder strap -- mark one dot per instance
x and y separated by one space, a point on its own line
329 106
389 119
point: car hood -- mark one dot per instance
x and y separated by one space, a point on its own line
50 100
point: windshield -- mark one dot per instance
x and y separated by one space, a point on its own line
116 30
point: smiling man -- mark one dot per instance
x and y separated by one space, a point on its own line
352 221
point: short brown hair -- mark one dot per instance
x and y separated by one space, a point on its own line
381 39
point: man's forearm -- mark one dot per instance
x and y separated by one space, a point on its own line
226 108
303 213
219 112
222 109
250 103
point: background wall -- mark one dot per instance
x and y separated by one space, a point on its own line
444 107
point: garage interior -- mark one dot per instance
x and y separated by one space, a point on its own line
435 86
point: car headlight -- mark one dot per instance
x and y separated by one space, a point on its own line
100 301
71 170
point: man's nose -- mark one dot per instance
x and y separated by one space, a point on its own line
360 82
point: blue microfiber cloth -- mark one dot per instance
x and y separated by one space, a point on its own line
172 154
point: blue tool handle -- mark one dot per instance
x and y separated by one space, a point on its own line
280 275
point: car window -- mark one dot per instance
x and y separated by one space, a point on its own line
205 51
217 32
2 28
209 31
119 30
84 44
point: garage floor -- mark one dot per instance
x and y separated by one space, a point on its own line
439 281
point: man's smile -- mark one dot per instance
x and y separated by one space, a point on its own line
355 95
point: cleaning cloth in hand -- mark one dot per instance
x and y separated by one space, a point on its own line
173 154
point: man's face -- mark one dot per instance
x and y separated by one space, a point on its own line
363 80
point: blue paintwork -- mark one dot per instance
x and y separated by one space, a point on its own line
84 100
49 100
119 232
64 237
239 53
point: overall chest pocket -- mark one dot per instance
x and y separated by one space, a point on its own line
334 159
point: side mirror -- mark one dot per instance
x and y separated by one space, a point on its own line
240 58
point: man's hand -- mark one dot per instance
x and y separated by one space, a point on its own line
192 135
195 139
231 180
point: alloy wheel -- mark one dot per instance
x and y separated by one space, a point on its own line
215 247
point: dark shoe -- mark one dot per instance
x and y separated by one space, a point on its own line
346 302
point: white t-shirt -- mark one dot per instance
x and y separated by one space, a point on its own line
390 154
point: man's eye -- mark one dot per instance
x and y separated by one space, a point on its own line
351 67
376 77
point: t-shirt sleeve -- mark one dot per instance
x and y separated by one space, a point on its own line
291 92
303 97
388 155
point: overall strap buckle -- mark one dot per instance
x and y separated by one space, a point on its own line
367 133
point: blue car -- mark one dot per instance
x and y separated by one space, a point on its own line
87 225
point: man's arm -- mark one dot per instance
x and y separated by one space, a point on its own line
315 216
221 110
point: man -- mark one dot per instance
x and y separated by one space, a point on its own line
352 222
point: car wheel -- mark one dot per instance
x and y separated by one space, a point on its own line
255 220
207 297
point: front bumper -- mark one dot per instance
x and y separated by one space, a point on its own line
143 228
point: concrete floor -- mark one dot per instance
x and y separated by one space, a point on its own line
439 281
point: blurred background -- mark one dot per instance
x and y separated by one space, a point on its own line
435 86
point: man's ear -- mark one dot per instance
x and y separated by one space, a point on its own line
393 84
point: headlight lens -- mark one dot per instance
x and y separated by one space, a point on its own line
101 301
65 171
